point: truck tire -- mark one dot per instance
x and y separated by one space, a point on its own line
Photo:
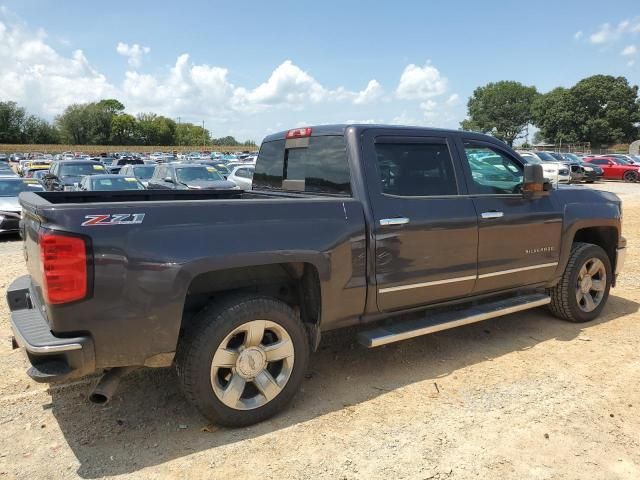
243 359
582 292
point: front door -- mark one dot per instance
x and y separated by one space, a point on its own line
518 238
425 232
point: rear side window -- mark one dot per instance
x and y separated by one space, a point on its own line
320 166
416 169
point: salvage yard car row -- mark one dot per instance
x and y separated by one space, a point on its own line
188 174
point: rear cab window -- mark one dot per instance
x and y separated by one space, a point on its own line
313 164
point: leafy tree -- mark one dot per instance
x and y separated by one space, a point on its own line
37 130
502 109
73 125
601 109
156 130
12 118
124 130
111 105
190 134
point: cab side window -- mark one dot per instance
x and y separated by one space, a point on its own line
492 171
416 169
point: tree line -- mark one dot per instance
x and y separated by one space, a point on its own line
602 110
102 123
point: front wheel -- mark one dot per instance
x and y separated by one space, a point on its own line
630 176
582 292
243 360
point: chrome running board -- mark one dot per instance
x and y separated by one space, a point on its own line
399 331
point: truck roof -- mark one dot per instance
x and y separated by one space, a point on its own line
340 129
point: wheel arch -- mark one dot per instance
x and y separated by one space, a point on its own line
295 281
597 223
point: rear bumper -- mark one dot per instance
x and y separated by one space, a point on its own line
53 358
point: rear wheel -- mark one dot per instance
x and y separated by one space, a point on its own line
630 176
582 292
243 360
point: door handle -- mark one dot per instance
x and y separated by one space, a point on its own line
492 214
385 222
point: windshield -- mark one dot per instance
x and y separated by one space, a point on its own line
221 167
81 169
530 158
619 161
11 187
117 183
545 157
193 174
572 158
144 173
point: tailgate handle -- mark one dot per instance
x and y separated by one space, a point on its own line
386 222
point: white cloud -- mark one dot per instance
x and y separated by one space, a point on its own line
34 73
421 83
371 93
42 80
629 50
578 35
453 100
134 53
608 33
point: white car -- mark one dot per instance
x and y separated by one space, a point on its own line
242 176
553 171
157 156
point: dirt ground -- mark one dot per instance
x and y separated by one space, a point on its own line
520 397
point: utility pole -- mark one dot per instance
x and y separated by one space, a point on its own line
203 134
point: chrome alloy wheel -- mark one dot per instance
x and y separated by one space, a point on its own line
591 285
252 365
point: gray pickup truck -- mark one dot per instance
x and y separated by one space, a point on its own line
407 230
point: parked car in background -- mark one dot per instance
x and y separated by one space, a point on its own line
615 168
552 170
6 170
187 176
591 172
109 182
242 176
118 163
576 171
10 209
39 175
627 158
66 175
35 167
221 167
14 158
142 172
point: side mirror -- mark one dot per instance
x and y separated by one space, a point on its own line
533 183
168 179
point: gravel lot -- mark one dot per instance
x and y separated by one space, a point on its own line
524 397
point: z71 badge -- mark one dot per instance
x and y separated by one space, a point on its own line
113 219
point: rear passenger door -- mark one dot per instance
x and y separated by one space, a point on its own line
425 230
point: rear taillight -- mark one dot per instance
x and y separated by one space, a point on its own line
299 133
64 265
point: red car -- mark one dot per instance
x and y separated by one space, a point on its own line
616 168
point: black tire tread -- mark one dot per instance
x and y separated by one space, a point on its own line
560 306
195 338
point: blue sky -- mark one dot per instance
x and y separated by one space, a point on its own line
249 68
